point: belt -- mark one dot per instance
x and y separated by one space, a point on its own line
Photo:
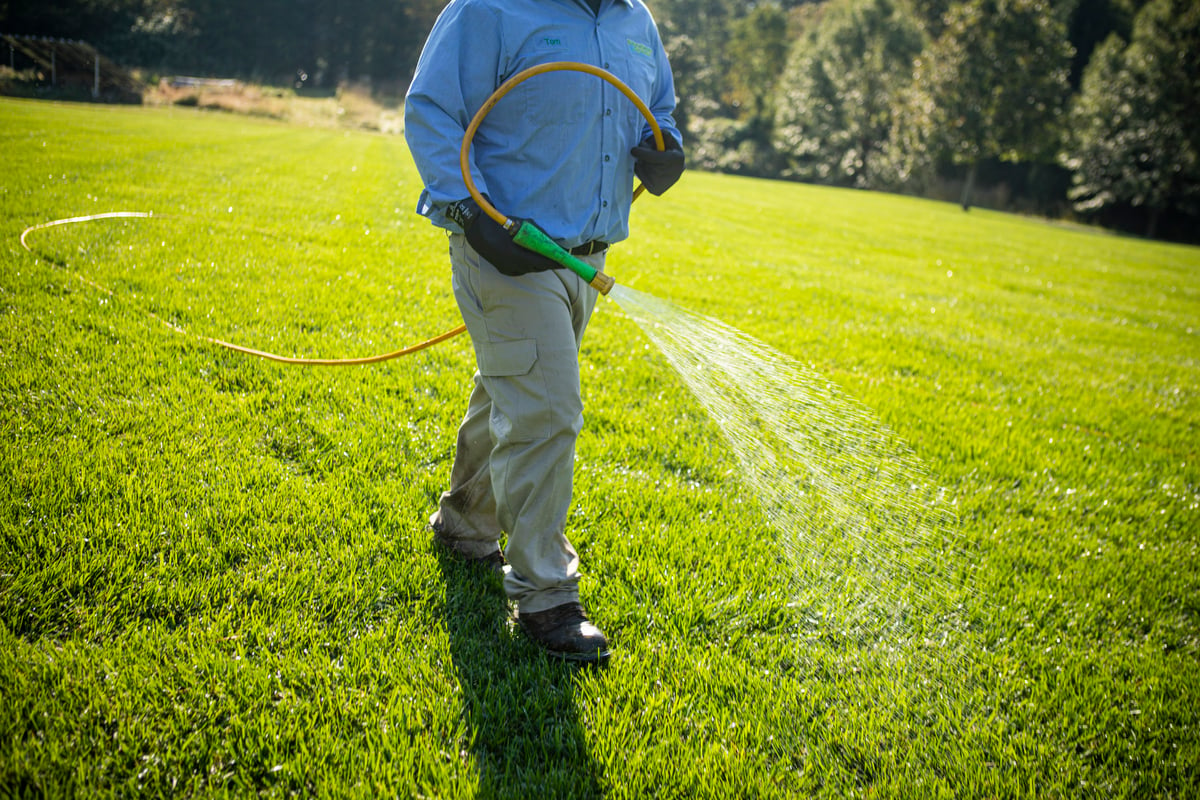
589 248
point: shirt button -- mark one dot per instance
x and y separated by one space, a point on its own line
608 112
606 65
606 158
604 204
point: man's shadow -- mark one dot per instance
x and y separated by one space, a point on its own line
527 738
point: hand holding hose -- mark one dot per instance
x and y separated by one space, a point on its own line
494 243
658 170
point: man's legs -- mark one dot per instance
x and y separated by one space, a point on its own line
526 333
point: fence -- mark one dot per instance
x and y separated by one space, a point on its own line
68 63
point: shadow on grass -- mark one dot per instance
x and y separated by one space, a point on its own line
527 737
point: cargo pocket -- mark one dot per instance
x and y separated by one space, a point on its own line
520 405
507 359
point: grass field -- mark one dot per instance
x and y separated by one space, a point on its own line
215 577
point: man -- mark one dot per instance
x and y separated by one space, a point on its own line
561 150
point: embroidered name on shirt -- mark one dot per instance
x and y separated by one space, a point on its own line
637 48
552 43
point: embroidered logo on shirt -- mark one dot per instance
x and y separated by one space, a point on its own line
639 49
552 43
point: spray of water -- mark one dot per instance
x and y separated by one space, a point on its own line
866 533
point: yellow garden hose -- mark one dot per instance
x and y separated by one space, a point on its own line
464 160
308 362
600 281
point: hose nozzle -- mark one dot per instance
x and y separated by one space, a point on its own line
531 237
602 283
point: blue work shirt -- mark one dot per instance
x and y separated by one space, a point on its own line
556 148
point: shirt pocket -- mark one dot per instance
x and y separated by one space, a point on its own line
559 97
639 72
641 69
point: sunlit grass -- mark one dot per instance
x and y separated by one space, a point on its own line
214 576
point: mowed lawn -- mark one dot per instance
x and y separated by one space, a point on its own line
215 576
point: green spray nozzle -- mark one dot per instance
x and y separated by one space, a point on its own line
531 237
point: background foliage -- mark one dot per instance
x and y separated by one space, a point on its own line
1134 136
835 112
980 100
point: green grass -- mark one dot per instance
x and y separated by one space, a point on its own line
214 573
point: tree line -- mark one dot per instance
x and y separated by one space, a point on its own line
317 43
1090 107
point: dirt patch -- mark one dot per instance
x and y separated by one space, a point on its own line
350 106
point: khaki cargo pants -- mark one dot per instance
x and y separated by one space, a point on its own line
515 452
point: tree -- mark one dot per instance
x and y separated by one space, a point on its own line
95 22
1135 136
931 15
1091 23
758 48
834 108
695 34
994 85
725 56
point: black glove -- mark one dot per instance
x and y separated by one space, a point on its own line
658 169
491 241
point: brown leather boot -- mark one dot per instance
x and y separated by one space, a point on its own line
565 632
